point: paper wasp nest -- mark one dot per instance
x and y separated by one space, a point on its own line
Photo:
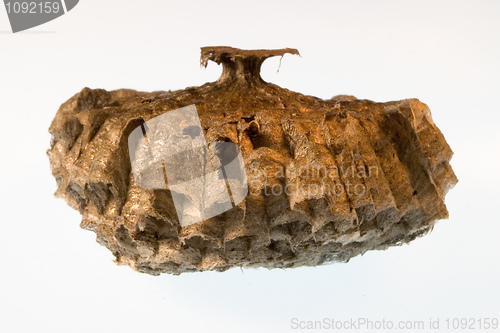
325 180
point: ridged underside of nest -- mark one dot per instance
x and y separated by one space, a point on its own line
391 156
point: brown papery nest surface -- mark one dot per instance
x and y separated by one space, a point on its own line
343 175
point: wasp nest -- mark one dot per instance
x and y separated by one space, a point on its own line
327 179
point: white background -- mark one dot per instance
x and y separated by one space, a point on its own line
56 278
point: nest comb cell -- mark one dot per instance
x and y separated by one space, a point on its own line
241 172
